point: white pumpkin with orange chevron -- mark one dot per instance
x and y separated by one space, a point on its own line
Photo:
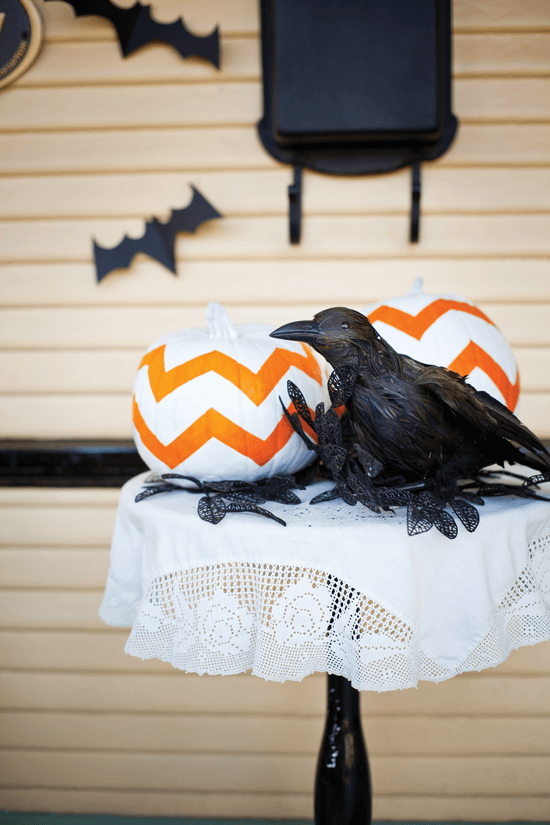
206 401
449 331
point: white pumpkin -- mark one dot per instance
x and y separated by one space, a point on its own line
449 331
206 401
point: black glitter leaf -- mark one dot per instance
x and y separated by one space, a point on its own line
154 491
328 495
211 509
238 507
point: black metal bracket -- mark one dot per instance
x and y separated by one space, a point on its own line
295 206
415 203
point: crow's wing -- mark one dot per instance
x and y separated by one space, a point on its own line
479 409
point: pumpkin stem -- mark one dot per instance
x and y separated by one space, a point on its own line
418 287
219 322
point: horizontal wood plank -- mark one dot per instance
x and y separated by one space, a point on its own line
76 63
183 104
507 54
82 372
113 371
53 568
136 328
175 691
255 192
92 650
266 806
241 16
77 609
218 733
356 282
264 238
174 148
186 149
520 775
96 107
96 650
58 496
60 526
501 99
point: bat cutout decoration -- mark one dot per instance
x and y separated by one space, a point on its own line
158 240
135 27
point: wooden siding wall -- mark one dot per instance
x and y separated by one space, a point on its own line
90 145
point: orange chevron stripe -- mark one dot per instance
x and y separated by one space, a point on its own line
416 325
255 385
474 356
215 425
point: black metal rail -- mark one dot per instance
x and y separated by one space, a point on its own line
68 463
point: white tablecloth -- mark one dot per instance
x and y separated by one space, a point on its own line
340 589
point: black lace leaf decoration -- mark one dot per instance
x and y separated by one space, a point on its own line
278 488
473 498
347 495
242 507
363 489
296 425
418 520
300 403
245 496
340 385
154 491
393 497
532 481
231 496
169 476
334 458
212 509
466 512
445 523
371 465
328 495
231 486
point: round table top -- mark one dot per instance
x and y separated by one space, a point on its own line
339 589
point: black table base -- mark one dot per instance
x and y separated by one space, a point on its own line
342 785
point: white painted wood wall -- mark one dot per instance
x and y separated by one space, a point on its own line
91 145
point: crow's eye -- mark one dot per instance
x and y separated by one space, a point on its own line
345 324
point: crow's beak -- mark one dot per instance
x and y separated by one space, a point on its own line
298 331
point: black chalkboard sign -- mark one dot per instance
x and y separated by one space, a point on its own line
360 87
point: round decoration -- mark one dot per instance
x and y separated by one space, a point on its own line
21 35
451 332
207 401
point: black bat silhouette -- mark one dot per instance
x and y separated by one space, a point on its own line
135 27
158 240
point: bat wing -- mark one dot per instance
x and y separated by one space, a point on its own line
176 34
118 257
158 240
135 27
123 20
187 219
151 243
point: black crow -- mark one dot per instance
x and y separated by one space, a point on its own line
416 420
